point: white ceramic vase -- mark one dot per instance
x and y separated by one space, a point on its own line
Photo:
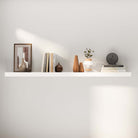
88 65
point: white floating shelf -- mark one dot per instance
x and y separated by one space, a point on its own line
67 74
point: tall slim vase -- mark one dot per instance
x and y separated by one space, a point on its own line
76 64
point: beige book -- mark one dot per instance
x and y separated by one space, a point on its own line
51 63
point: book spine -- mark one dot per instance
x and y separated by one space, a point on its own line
42 63
51 63
47 63
54 62
113 65
113 68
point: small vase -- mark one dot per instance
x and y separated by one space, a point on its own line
58 68
81 67
76 64
88 65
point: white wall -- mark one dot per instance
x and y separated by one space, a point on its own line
69 108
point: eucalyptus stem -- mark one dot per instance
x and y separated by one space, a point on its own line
88 53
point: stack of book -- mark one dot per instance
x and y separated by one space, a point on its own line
113 68
48 62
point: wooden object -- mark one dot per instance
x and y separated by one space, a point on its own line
76 64
81 67
58 68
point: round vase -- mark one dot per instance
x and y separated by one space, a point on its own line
58 68
88 65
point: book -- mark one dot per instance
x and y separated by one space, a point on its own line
52 62
113 69
47 63
42 62
113 65
43 68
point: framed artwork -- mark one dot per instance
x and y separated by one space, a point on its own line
22 57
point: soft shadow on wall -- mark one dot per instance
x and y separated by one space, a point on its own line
66 55
40 46
113 111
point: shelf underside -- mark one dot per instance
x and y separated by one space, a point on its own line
68 74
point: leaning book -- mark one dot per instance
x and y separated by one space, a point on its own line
43 68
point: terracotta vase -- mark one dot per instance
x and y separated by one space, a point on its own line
76 64
81 67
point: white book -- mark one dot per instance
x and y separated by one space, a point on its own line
113 67
54 61
42 62
113 70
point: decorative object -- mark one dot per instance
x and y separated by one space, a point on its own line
22 57
112 58
76 64
88 53
81 67
58 68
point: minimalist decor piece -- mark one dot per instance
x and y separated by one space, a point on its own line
22 57
81 67
112 59
88 53
76 64
58 68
